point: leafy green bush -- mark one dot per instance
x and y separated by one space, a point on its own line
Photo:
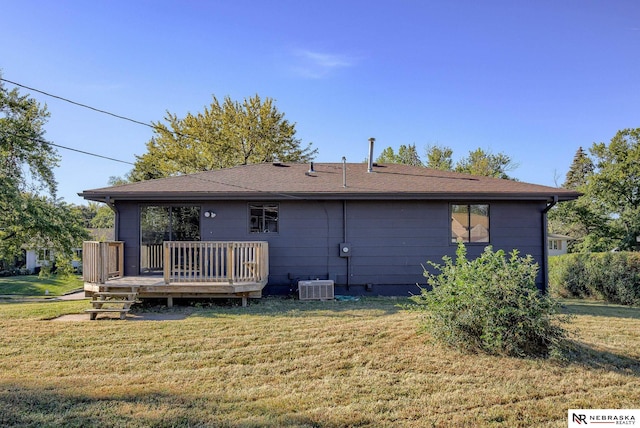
567 276
490 304
614 277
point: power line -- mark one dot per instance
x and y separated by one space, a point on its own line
195 176
154 127
40 140
88 153
80 104
138 122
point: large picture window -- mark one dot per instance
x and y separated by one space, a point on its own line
263 218
165 223
469 223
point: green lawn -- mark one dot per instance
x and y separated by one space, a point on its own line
32 285
286 363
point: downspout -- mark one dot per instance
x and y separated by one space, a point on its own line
344 216
545 245
344 236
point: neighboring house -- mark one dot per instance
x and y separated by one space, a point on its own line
369 228
557 244
35 259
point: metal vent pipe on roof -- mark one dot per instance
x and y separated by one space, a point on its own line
311 168
344 171
371 141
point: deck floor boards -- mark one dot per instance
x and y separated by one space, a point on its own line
154 286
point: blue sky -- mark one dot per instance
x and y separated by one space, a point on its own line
533 79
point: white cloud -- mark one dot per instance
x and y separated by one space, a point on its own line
317 65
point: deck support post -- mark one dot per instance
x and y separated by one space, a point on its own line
169 302
244 300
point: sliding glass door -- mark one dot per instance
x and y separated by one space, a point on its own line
159 223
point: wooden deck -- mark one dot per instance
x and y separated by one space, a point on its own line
190 270
154 287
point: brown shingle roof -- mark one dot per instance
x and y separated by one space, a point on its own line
278 181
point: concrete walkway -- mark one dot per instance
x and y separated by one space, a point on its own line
77 295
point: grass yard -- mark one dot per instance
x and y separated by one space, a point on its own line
301 364
32 285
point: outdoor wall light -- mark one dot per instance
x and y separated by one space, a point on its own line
209 214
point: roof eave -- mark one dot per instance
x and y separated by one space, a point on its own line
196 196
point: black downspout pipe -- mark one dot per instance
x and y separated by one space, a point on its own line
545 245
344 231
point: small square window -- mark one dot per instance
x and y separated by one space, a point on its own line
263 218
469 223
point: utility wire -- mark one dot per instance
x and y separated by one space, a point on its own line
87 153
196 176
40 140
80 104
154 127
148 125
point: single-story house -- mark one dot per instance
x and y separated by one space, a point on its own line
36 258
368 228
557 244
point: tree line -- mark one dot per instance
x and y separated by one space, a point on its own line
477 162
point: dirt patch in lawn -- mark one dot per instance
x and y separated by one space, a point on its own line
145 316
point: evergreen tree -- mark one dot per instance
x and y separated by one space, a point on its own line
580 169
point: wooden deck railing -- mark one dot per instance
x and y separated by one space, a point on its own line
151 257
215 261
102 261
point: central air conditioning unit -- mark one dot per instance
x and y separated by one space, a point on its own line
317 289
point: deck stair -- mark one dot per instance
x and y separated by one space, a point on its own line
113 300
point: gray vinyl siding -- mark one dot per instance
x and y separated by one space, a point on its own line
308 242
129 232
390 240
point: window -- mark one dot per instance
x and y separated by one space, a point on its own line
165 223
263 218
555 244
470 223
45 255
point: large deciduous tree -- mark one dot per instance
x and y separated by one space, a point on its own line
615 183
26 173
607 215
225 134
